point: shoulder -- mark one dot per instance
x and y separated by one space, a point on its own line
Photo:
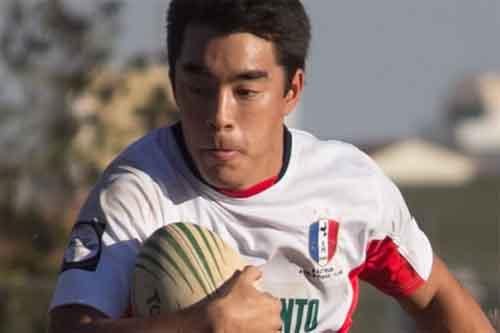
148 151
344 166
128 201
342 158
134 179
143 162
122 189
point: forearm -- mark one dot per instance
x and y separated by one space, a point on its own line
443 305
456 313
160 324
77 319
236 307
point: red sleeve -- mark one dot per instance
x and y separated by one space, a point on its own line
387 270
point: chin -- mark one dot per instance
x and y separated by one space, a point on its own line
223 179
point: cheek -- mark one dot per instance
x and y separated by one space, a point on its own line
261 124
189 112
269 112
183 101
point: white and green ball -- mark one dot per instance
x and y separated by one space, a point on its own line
179 265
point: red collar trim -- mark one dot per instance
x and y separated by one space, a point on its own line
253 190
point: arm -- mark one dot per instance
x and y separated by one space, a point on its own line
443 305
80 318
237 307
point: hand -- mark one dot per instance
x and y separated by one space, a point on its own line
239 307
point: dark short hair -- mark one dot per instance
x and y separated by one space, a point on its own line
283 22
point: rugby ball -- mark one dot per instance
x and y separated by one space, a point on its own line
179 265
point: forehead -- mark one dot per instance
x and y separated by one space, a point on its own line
234 52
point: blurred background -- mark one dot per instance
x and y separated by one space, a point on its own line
414 84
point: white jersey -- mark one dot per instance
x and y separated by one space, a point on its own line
332 218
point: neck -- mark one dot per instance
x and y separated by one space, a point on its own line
274 170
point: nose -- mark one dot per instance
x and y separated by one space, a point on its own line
222 113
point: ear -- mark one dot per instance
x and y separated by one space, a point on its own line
293 95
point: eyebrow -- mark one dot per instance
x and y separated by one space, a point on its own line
246 75
251 75
195 69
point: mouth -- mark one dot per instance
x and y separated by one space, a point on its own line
221 154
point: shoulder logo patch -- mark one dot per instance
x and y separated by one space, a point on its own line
85 245
323 236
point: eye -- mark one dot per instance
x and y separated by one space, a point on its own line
246 93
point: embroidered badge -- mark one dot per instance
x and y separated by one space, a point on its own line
84 248
323 237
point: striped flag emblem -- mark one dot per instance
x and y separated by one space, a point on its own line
323 240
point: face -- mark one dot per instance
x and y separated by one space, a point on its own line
230 93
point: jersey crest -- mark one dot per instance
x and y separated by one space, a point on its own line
85 246
323 237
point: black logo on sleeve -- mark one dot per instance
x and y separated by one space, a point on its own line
85 246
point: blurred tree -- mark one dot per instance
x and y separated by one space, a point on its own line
47 48
115 109
64 114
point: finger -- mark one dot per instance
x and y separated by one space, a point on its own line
228 284
270 297
251 274
275 325
232 279
272 305
275 305
278 325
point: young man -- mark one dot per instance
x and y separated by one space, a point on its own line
313 215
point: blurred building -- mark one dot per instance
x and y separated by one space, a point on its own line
418 162
461 148
475 115
450 178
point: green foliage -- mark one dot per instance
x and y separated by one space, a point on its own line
47 50
23 304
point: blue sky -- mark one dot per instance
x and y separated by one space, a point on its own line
377 69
